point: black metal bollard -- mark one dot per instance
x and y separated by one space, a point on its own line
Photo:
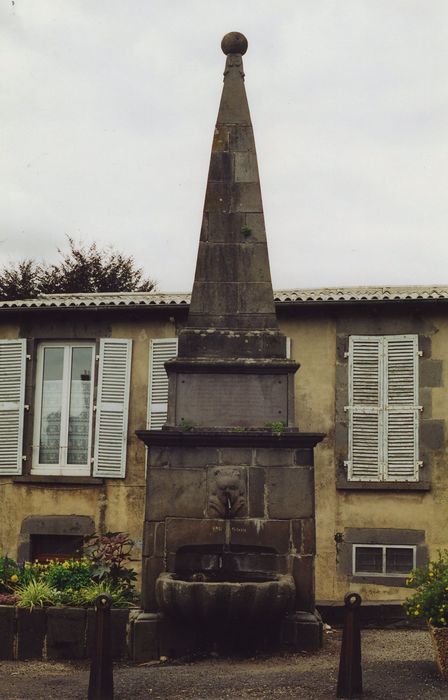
350 671
101 682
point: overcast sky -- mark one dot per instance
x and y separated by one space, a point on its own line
107 111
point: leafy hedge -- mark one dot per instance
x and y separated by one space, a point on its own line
76 582
430 600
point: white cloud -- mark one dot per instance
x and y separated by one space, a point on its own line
108 111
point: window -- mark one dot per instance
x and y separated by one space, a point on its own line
70 433
63 409
383 410
161 350
59 547
383 560
12 404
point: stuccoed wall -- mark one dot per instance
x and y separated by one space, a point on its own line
316 339
316 334
313 343
114 504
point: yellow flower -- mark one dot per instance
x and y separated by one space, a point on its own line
14 578
430 573
66 565
416 612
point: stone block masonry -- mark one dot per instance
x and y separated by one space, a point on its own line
57 633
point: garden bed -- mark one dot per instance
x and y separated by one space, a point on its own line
55 633
47 607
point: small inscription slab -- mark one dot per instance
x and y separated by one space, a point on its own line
232 399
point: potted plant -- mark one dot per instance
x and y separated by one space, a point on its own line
429 602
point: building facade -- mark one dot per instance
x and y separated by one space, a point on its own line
80 374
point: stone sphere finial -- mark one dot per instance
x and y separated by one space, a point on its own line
234 42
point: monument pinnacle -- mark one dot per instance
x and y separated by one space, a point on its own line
234 42
232 287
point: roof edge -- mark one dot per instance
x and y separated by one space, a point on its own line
300 296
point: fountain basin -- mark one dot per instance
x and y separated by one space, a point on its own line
253 598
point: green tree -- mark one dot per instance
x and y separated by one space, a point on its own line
81 269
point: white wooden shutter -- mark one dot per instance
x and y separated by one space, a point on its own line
365 416
112 408
12 404
161 350
401 409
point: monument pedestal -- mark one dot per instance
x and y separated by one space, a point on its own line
154 635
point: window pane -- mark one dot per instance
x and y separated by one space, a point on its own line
369 559
50 422
59 547
79 415
399 560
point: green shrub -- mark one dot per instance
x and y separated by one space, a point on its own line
88 596
9 574
75 582
430 600
109 554
36 594
73 574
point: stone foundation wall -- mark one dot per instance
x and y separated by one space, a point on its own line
57 633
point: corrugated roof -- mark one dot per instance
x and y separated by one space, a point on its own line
288 296
361 294
99 299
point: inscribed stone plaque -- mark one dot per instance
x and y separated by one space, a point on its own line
231 399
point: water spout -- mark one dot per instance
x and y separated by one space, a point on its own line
227 505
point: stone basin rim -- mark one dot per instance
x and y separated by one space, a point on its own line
221 602
285 579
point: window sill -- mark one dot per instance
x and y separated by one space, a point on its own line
58 480
392 581
343 485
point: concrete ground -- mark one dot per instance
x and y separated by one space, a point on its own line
396 664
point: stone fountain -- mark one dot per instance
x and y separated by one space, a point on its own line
228 554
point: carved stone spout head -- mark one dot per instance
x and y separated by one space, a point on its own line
227 491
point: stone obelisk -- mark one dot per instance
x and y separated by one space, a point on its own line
232 345
230 478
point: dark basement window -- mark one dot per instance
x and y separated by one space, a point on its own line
383 560
59 547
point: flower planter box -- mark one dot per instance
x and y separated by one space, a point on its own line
439 639
7 630
66 633
57 633
118 631
31 630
